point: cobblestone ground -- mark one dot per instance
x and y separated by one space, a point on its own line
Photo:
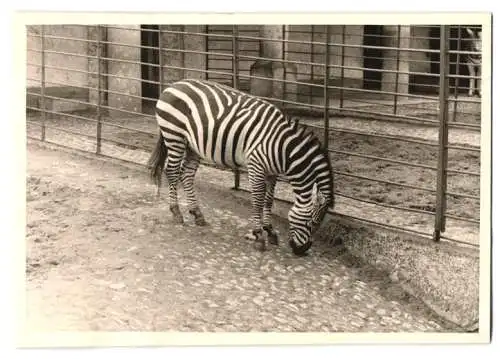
103 254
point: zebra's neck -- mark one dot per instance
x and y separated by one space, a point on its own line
307 165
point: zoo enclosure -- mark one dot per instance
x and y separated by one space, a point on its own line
389 102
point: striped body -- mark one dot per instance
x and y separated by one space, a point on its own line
202 119
221 125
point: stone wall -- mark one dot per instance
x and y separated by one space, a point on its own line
124 69
304 51
72 51
184 57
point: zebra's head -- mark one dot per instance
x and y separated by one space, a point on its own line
304 221
310 172
301 228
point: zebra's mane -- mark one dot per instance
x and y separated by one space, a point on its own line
305 132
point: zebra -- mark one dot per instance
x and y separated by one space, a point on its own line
201 119
473 60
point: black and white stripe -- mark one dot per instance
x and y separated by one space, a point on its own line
473 60
202 119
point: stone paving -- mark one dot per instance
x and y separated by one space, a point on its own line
104 255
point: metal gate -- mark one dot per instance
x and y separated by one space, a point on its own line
391 103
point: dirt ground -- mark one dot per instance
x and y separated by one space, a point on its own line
103 254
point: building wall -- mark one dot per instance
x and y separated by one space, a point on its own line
186 51
302 50
73 56
419 40
124 69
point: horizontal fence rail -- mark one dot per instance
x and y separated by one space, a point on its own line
397 107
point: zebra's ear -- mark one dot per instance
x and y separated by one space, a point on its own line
320 198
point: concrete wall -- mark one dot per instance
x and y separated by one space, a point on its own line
124 80
307 52
173 60
396 60
246 47
184 64
72 47
124 34
96 50
419 60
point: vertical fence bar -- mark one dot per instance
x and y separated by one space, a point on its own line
160 62
440 224
311 58
42 84
457 71
284 64
396 85
342 70
326 93
99 91
206 52
182 46
235 85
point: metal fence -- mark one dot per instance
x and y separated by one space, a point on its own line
391 103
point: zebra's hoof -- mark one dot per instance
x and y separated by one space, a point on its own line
272 235
199 219
178 219
260 242
273 239
176 214
200 222
254 235
261 245
250 236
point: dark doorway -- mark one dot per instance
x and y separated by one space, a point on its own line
150 72
372 58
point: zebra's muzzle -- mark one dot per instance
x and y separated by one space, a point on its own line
300 250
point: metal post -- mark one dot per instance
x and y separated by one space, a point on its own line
457 71
206 52
235 85
42 85
396 85
284 64
342 63
160 63
98 115
311 67
440 223
326 93
182 47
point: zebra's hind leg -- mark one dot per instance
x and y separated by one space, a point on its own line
189 168
172 171
272 235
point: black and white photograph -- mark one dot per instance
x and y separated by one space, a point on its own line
257 175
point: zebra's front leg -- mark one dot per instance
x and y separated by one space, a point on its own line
189 168
172 172
272 235
257 181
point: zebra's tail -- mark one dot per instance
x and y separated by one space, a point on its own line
156 161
